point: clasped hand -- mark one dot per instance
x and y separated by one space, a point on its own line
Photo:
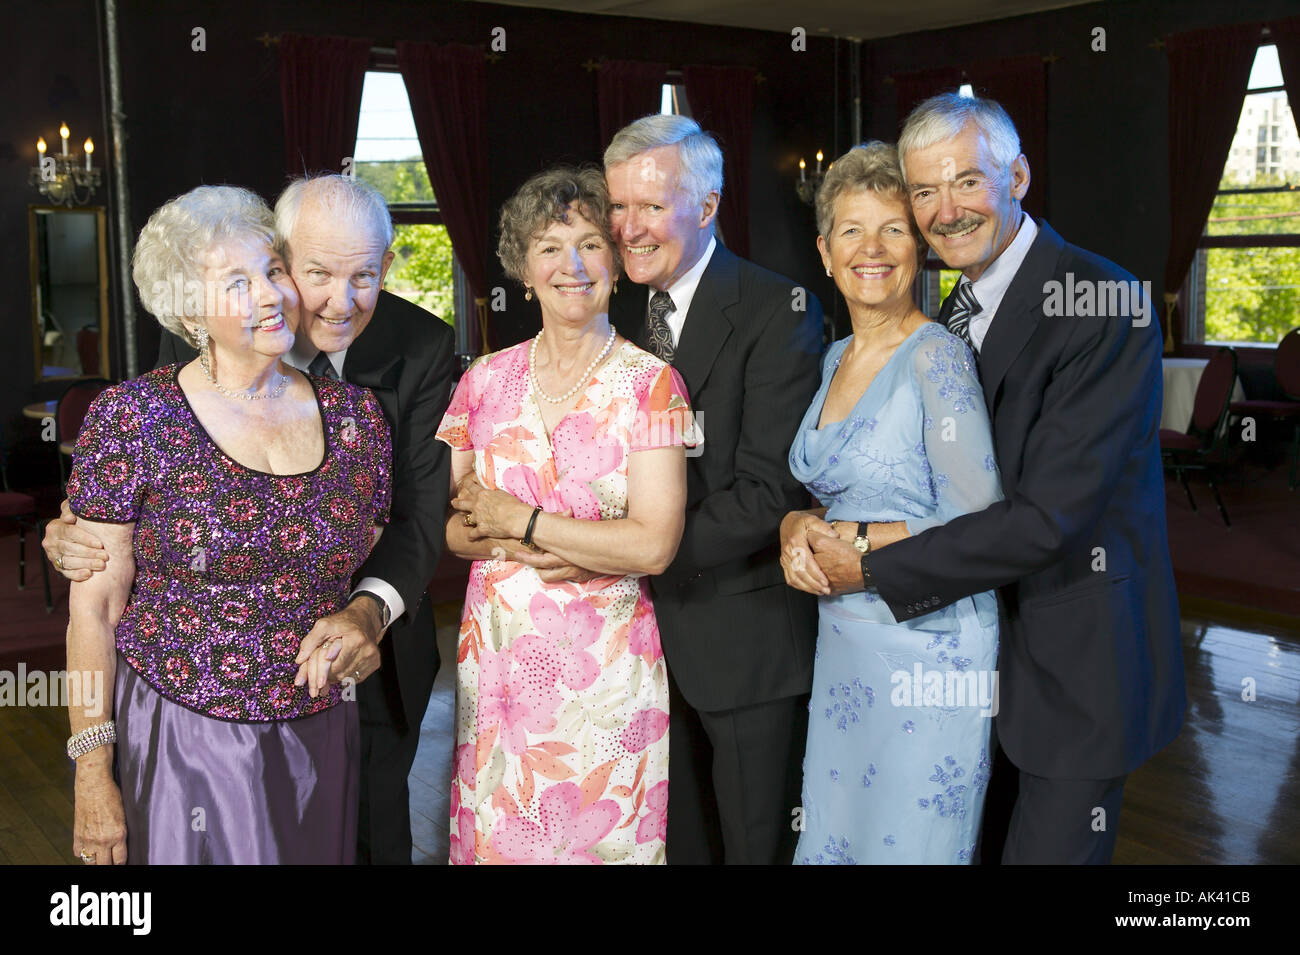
816 559
495 515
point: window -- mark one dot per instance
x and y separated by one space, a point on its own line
388 157
1244 285
673 102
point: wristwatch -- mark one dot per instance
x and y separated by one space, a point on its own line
385 614
862 542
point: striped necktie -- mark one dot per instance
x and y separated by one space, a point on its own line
964 308
661 335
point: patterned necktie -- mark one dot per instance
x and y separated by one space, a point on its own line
964 308
322 367
661 336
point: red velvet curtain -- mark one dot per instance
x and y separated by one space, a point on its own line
447 86
1286 34
320 92
1018 83
1208 73
722 101
625 91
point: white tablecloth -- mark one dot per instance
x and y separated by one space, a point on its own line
1182 375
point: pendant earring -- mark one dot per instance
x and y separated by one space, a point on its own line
528 294
615 287
201 335
830 274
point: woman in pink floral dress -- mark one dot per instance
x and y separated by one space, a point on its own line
569 463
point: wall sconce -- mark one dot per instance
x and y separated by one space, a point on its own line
62 179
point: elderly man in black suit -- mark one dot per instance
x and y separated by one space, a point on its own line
737 641
337 232
1091 659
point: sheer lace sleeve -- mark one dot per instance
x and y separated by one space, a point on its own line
958 438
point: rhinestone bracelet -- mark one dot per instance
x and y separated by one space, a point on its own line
91 738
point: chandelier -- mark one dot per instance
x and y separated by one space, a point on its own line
62 179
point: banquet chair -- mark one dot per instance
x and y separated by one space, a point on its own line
21 510
71 412
1286 368
1202 446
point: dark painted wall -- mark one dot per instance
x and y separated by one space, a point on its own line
44 85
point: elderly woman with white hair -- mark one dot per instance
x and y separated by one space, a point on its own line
235 496
898 732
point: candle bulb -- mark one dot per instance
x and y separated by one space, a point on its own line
40 146
819 161
802 167
89 147
63 132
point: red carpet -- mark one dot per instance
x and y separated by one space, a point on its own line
1255 562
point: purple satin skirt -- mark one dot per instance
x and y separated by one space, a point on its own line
198 791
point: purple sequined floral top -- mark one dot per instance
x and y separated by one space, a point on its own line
232 566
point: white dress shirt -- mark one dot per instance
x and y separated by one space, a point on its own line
683 290
300 356
990 287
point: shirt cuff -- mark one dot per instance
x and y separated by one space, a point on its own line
386 592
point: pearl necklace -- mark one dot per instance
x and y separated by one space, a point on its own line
582 379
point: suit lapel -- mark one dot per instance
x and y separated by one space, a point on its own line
707 326
374 358
1019 311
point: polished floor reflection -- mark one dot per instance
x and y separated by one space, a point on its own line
1223 792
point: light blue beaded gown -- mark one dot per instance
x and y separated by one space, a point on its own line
897 762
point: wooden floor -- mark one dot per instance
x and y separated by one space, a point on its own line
1223 792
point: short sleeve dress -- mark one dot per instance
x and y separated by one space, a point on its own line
220 758
562 694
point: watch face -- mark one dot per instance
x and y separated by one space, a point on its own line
861 544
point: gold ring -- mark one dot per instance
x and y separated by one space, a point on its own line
470 522
58 561
87 859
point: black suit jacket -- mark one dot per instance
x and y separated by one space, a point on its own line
733 633
406 357
1090 656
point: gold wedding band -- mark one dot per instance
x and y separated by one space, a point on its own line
470 522
87 859
58 561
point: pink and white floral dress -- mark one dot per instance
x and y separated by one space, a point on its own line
562 695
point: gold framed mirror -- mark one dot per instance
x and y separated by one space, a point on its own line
69 264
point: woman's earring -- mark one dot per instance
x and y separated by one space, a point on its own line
615 286
201 335
830 274
528 293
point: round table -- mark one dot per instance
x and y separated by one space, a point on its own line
41 409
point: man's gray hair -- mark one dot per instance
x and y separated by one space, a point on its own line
946 115
698 154
346 199
178 238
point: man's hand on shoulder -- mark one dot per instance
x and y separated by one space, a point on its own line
75 553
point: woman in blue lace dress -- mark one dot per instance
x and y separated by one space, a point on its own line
897 760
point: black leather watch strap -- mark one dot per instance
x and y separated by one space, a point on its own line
385 615
866 572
